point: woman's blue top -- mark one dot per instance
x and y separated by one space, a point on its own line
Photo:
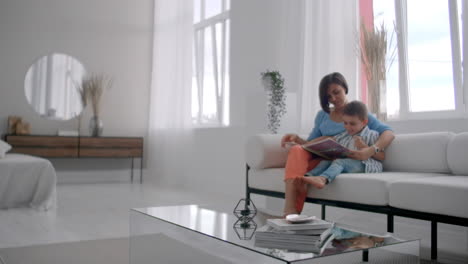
324 126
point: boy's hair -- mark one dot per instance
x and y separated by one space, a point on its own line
356 108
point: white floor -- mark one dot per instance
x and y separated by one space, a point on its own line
101 211
92 211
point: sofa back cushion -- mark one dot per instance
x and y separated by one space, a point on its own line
456 154
421 152
264 151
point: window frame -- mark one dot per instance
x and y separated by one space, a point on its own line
199 29
460 87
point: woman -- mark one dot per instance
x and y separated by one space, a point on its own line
328 122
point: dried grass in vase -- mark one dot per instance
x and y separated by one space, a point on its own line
83 95
374 51
93 87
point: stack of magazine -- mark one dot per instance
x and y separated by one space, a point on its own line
312 236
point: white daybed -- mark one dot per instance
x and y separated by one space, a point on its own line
27 181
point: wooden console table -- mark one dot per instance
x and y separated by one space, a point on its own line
79 147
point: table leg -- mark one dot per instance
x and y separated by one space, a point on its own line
141 169
131 175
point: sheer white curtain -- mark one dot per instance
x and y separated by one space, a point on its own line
330 28
170 109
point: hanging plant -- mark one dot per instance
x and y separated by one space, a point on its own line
274 85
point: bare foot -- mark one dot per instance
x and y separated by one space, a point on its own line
317 181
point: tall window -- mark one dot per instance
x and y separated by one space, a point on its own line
425 79
210 74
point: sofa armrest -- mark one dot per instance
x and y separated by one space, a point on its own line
265 151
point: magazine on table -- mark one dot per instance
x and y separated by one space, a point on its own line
327 149
334 239
362 232
349 238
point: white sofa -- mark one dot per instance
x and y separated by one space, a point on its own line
425 177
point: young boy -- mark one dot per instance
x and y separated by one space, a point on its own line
357 133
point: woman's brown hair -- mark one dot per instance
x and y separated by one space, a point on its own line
332 78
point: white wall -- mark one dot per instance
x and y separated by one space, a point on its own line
265 35
108 36
259 41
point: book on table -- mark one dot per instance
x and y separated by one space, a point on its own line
283 224
327 149
269 232
268 237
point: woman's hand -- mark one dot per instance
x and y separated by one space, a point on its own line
294 138
362 154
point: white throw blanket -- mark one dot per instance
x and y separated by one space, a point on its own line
27 181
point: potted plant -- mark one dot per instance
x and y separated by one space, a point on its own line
274 85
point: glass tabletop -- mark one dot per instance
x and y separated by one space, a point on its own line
229 228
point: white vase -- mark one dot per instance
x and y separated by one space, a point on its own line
377 98
382 113
95 126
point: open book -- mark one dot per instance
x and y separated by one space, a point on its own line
327 149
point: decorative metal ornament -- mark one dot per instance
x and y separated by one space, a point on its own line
245 230
245 211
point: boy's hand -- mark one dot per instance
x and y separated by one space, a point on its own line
359 143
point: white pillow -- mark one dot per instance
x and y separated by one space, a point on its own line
421 152
456 154
4 148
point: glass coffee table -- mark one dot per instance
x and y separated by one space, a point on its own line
194 234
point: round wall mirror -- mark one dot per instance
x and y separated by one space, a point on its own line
51 86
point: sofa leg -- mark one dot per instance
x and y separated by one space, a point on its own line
433 240
365 255
323 211
390 223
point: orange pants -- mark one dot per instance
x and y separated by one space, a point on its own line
299 163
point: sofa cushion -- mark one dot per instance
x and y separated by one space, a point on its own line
363 188
446 195
423 152
456 154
